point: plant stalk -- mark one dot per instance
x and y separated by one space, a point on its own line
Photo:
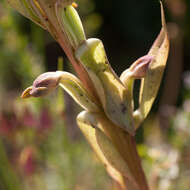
79 69
124 142
126 146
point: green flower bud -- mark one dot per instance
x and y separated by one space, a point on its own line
150 84
70 23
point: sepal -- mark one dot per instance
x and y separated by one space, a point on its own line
150 84
112 93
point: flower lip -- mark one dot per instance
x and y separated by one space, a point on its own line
35 92
26 93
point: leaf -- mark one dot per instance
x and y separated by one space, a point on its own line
151 83
124 144
16 4
104 149
26 9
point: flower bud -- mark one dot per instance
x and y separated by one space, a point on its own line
90 125
70 24
138 69
43 85
47 82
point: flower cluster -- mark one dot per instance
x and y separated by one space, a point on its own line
109 120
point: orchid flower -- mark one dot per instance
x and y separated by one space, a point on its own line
109 120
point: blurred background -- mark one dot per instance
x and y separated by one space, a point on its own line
41 147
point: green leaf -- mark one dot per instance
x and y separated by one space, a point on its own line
74 87
104 149
151 83
26 9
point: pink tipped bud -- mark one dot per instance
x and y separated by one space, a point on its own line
43 85
140 67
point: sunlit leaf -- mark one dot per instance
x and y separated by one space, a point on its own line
26 9
16 4
150 84
48 82
104 148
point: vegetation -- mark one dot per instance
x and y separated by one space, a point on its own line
38 152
